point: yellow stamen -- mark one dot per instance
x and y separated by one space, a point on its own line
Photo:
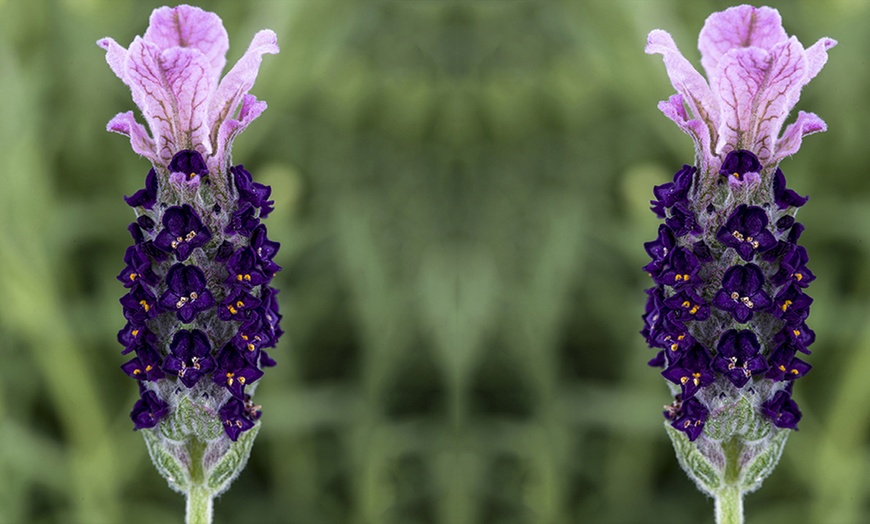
144 305
683 380
239 277
795 372
137 371
686 303
796 332
781 367
242 380
251 347
134 275
798 276
148 368
232 309
229 379
248 277
240 304
135 332
694 309
786 304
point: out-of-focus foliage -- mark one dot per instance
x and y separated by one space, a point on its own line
461 197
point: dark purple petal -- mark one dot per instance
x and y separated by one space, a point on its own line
133 335
250 191
738 358
682 220
244 220
145 365
148 411
746 231
238 306
783 196
792 305
190 357
783 363
690 418
186 292
672 192
235 418
234 372
139 304
189 163
782 410
739 162
793 267
687 305
741 293
182 232
692 371
657 361
145 197
243 271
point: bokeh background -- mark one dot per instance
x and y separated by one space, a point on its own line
461 196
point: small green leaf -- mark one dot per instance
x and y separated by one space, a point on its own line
768 455
694 463
233 462
166 463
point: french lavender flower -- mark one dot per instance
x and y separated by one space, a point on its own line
200 312
728 309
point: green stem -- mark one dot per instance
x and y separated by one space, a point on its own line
729 498
729 505
200 502
199 505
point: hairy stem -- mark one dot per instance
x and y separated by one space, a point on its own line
200 502
729 498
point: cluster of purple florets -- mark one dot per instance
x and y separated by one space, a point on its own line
200 312
728 307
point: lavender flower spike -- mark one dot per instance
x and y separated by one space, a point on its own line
200 310
728 310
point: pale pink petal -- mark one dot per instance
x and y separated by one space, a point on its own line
239 80
757 89
174 86
806 124
817 56
230 128
186 26
674 109
116 56
126 124
686 80
736 27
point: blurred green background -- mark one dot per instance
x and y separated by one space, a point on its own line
461 196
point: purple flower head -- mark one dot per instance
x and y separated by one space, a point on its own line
659 250
783 196
738 358
682 220
243 271
782 410
688 417
238 306
244 220
791 305
672 192
186 292
145 197
174 73
738 163
140 304
746 231
182 232
138 268
692 372
134 335
234 372
187 167
755 73
800 335
681 270
742 294
145 365
793 268
251 337
250 191
783 363
148 411
236 418
687 305
190 357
